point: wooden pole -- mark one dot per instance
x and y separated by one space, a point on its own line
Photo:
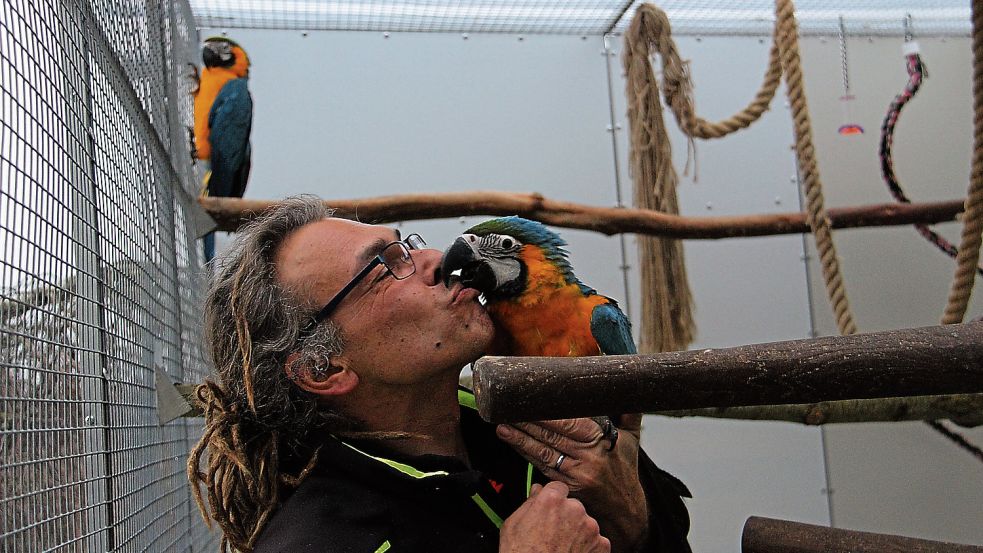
768 535
922 361
230 213
963 409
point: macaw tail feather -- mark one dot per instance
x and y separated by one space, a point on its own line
204 183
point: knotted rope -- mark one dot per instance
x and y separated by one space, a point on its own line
677 85
663 276
667 303
667 322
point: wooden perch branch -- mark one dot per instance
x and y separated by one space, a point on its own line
911 362
230 213
769 535
963 409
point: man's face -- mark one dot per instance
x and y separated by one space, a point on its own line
395 331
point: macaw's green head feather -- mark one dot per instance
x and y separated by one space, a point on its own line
488 255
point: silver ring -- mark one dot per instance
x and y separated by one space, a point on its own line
559 461
612 438
609 432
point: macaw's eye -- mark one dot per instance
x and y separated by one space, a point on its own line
507 244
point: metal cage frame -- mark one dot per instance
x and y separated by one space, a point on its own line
101 279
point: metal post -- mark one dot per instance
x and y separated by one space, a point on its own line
90 281
616 158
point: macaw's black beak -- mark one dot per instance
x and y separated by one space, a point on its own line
217 55
475 273
210 57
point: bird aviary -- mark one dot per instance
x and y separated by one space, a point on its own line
101 273
100 279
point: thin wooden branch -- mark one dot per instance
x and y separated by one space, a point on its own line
963 409
230 213
936 360
769 535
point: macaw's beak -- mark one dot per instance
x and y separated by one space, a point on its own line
217 54
475 272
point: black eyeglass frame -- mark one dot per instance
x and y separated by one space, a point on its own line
412 242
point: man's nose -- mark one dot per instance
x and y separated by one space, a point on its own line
428 265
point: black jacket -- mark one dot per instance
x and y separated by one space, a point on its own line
363 499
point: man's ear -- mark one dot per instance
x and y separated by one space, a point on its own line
335 379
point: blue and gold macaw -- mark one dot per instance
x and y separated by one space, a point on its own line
538 305
223 117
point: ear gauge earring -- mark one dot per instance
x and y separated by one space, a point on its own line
320 373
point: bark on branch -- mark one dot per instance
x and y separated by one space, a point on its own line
230 213
769 535
963 409
938 360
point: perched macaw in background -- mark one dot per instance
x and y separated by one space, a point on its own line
223 114
538 305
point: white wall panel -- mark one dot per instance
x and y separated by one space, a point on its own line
896 478
347 115
746 291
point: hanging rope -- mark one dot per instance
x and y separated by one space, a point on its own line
667 304
805 152
655 179
666 299
968 257
916 73
651 35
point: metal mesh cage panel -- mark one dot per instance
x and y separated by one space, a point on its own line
100 278
581 17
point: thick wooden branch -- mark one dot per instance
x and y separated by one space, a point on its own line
934 360
768 535
230 213
963 409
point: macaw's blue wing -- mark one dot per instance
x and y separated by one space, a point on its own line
230 121
612 330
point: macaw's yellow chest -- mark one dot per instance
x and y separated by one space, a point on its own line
551 318
211 82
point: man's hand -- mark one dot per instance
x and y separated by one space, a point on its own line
605 478
551 522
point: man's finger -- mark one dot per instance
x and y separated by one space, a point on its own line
558 488
583 431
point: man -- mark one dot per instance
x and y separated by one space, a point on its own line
338 425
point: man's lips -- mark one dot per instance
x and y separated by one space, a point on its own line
462 294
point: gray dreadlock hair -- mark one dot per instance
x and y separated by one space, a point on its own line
254 415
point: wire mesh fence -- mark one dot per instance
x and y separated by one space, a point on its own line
100 275
586 17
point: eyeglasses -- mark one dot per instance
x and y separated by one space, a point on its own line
395 257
